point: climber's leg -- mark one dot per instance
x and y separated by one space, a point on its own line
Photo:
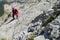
16 16
13 17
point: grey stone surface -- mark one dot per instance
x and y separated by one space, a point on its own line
31 16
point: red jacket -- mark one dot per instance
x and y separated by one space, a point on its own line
14 11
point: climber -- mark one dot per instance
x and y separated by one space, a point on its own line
14 13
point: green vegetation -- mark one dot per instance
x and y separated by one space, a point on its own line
49 19
32 36
52 17
3 39
1 8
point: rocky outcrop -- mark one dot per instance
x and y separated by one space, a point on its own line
31 17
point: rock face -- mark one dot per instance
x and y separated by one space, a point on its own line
32 14
39 38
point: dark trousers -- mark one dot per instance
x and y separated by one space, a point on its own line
16 16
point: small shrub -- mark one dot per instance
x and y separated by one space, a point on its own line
3 39
32 36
